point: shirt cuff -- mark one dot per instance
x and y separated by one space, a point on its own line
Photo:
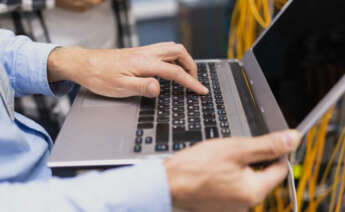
33 75
146 186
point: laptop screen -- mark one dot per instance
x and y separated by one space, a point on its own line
303 55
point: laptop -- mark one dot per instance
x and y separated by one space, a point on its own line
288 78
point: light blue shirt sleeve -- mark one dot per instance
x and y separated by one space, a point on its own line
141 188
26 65
26 183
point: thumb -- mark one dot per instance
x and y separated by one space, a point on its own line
148 87
271 146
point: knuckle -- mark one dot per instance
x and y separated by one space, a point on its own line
180 48
275 148
178 71
141 88
180 74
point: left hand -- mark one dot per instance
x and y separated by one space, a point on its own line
125 72
216 175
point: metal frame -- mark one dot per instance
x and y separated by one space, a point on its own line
263 95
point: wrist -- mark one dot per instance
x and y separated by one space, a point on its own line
63 63
178 185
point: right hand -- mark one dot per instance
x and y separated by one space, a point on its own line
217 176
125 72
78 5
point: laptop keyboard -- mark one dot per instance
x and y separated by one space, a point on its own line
179 118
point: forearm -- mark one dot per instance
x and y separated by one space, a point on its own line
140 188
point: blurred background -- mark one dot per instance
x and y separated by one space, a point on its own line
208 29
201 25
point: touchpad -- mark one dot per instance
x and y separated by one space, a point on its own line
90 99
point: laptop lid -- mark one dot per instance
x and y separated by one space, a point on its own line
301 57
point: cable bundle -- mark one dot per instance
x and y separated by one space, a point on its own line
321 179
313 188
248 19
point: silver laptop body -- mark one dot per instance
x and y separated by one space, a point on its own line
101 131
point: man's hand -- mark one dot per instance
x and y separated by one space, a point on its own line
78 5
216 175
125 72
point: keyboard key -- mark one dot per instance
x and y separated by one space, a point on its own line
179 122
209 115
162 147
139 140
146 119
145 126
137 148
224 124
221 112
202 67
185 136
210 122
163 119
193 120
226 132
219 102
162 133
194 126
163 113
193 143
223 118
178 115
163 107
147 104
140 132
148 140
219 97
211 132
194 114
178 128
179 146
164 102
219 107
178 109
147 112
217 92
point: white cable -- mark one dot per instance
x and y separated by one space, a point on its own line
292 188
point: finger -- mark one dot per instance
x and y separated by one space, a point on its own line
267 179
269 147
170 52
176 73
148 87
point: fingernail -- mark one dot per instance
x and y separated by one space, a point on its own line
291 139
152 89
205 90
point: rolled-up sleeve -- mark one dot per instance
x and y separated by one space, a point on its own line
140 188
25 62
